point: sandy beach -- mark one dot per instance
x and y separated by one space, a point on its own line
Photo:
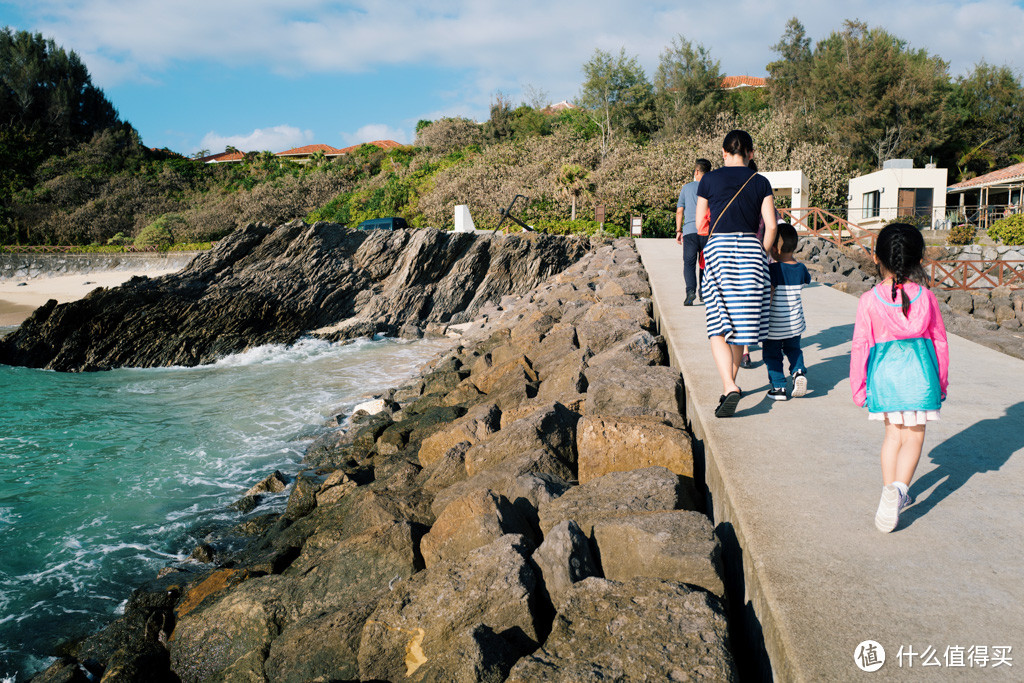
18 298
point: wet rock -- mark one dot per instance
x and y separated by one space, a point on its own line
408 635
303 496
642 630
675 546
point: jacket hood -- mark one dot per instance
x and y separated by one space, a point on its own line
918 319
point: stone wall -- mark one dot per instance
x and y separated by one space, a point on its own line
29 266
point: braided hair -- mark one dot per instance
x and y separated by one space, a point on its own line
900 250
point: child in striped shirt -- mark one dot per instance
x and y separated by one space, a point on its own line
786 317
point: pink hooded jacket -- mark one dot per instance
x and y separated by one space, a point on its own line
880 319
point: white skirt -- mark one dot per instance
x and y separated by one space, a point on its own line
907 418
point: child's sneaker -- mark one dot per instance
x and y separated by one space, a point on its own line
777 394
799 383
905 500
745 362
888 514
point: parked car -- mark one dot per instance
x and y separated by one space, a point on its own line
389 223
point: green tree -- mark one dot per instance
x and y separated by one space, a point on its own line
992 130
875 98
790 74
688 87
618 97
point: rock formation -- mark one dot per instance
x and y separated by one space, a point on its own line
445 537
264 285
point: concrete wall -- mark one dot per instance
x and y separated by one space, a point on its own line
28 266
887 183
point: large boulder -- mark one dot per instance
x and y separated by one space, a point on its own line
641 630
563 559
413 628
475 425
620 444
551 429
470 522
653 489
631 390
547 477
676 546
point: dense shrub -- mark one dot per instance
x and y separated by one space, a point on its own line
961 234
1009 230
161 232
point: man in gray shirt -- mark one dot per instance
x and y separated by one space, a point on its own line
686 229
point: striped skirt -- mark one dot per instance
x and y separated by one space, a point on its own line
736 289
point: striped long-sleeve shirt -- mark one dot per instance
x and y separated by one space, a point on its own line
786 318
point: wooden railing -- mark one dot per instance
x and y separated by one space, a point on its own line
975 274
54 249
828 226
944 274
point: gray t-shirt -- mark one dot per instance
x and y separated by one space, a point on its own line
688 203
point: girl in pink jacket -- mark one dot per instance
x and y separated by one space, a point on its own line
900 361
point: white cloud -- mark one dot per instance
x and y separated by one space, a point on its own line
530 41
376 131
275 139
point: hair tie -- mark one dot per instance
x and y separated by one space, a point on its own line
897 285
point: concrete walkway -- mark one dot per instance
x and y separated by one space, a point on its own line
795 485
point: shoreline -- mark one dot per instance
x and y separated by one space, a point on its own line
20 297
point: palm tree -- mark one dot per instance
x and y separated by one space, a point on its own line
575 182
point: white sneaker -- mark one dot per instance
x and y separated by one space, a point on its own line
888 514
799 383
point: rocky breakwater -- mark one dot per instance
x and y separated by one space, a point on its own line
264 285
525 511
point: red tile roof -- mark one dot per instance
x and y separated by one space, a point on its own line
1015 172
309 149
222 157
334 151
730 82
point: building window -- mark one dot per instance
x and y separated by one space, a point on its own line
871 204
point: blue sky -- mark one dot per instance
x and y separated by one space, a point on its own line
269 74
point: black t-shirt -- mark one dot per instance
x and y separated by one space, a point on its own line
744 214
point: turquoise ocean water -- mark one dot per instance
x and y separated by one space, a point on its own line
107 477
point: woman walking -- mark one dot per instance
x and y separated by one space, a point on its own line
736 288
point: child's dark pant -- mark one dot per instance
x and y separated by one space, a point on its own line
772 351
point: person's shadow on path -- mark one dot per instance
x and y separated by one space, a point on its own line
985 446
822 377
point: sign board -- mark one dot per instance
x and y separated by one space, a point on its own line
599 213
636 225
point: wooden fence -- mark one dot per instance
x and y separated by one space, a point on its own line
944 273
52 249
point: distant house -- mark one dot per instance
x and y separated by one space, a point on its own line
223 157
558 107
898 190
989 197
301 154
733 82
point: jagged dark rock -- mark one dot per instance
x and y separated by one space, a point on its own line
264 285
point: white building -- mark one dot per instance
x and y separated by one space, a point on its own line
898 190
791 186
